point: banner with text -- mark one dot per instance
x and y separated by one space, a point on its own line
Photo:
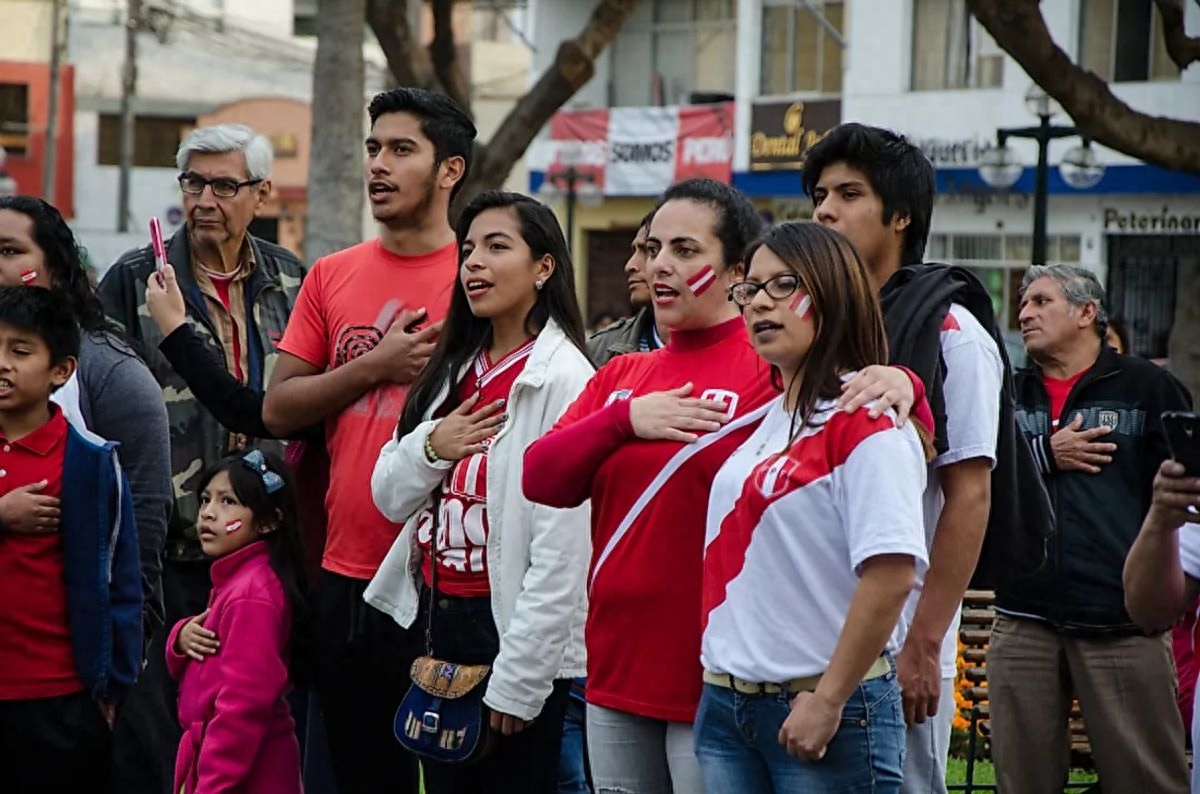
640 151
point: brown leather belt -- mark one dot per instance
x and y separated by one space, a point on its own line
879 667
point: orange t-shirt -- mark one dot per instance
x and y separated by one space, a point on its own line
347 302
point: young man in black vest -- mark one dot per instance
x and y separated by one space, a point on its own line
877 188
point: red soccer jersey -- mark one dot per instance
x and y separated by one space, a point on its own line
1058 390
463 529
649 505
347 303
35 657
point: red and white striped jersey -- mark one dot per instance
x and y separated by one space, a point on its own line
788 529
463 529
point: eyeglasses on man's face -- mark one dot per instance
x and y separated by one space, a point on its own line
780 287
194 184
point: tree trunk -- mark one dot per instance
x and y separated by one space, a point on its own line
573 67
408 63
335 189
1018 27
1184 348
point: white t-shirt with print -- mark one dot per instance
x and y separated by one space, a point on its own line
971 391
788 530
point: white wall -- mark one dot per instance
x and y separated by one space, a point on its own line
1083 215
551 23
878 68
26 28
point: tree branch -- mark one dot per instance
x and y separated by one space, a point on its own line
1182 48
388 20
1018 27
443 52
574 64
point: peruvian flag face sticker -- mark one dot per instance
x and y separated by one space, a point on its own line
233 526
28 276
801 304
704 278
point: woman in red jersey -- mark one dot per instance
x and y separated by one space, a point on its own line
814 533
643 442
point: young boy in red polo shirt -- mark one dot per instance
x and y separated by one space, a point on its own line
70 582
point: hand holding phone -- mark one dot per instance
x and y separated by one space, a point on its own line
156 242
1183 439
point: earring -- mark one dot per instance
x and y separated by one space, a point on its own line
537 285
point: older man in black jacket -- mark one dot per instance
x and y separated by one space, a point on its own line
1092 417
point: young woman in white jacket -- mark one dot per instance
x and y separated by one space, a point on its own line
511 575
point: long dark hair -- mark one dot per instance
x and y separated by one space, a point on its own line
284 546
64 261
464 334
845 310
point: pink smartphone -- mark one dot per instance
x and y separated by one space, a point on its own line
156 241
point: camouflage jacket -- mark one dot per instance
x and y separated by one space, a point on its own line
623 336
197 438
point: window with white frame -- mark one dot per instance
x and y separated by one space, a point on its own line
950 49
1000 261
1121 41
798 51
669 49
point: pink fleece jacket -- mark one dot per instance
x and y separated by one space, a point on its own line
238 734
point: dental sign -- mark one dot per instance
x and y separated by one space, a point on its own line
641 151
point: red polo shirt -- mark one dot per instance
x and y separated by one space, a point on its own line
35 654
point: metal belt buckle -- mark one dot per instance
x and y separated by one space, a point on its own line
431 722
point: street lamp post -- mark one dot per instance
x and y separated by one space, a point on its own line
1080 167
572 185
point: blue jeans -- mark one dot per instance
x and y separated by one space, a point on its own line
737 743
572 771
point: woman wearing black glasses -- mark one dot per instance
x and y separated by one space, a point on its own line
814 534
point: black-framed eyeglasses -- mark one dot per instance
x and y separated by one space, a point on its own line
194 184
780 287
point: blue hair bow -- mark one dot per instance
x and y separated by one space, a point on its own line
255 460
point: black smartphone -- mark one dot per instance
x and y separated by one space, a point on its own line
1183 439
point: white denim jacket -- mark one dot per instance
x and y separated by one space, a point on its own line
538 556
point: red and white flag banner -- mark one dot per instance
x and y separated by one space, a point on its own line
641 151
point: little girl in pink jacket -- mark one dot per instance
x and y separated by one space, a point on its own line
232 660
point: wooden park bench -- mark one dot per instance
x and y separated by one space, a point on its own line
975 632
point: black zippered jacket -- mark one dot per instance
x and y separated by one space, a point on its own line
1097 516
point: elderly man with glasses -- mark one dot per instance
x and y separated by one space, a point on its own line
234 297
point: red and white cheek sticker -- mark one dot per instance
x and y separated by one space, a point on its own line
28 276
704 278
233 526
801 304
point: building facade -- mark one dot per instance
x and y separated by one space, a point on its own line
203 62
928 69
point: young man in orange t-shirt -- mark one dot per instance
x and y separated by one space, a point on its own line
364 324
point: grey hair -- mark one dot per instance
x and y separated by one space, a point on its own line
1079 285
229 138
